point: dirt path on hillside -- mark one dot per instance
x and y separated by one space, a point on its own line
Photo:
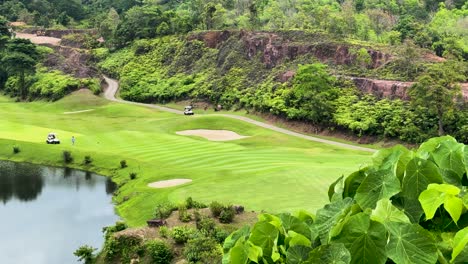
113 86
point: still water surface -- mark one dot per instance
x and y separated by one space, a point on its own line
47 213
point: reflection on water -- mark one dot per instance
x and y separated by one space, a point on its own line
25 181
21 181
50 212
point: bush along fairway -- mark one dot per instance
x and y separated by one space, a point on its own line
188 231
406 207
260 171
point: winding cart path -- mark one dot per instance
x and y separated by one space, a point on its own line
113 86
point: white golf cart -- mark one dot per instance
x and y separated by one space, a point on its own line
188 110
52 139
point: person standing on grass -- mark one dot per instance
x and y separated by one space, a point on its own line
73 140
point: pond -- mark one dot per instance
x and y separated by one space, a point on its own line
47 213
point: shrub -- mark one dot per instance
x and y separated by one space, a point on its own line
164 231
92 84
181 234
132 175
16 150
85 253
164 210
216 208
203 249
184 216
196 215
220 235
159 251
206 225
109 230
53 85
87 160
227 215
123 164
194 204
189 202
123 247
67 156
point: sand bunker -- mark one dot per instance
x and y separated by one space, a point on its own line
77 112
168 183
213 135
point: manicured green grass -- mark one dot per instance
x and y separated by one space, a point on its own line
266 171
243 112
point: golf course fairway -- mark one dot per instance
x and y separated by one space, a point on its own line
266 170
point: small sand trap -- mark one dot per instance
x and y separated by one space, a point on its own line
213 135
77 112
168 183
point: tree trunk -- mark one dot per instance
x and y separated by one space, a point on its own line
22 84
441 125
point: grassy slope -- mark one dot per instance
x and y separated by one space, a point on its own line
267 171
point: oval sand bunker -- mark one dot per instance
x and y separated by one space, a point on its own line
169 183
213 135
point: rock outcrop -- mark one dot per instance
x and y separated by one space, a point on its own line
383 88
275 47
71 61
392 89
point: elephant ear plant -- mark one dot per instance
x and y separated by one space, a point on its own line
408 206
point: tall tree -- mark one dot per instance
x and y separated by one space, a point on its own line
4 33
19 64
436 91
20 59
313 95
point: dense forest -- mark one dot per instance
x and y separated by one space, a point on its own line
439 25
163 51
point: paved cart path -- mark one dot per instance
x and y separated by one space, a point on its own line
113 86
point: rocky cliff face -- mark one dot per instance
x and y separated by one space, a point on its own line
71 61
392 89
383 88
275 47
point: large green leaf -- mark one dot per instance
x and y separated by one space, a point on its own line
449 155
353 181
231 240
377 185
394 159
335 253
385 212
254 252
410 244
405 158
451 177
365 239
297 254
465 158
460 243
296 239
438 194
238 254
272 219
305 217
419 174
264 235
329 216
335 191
431 144
292 223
